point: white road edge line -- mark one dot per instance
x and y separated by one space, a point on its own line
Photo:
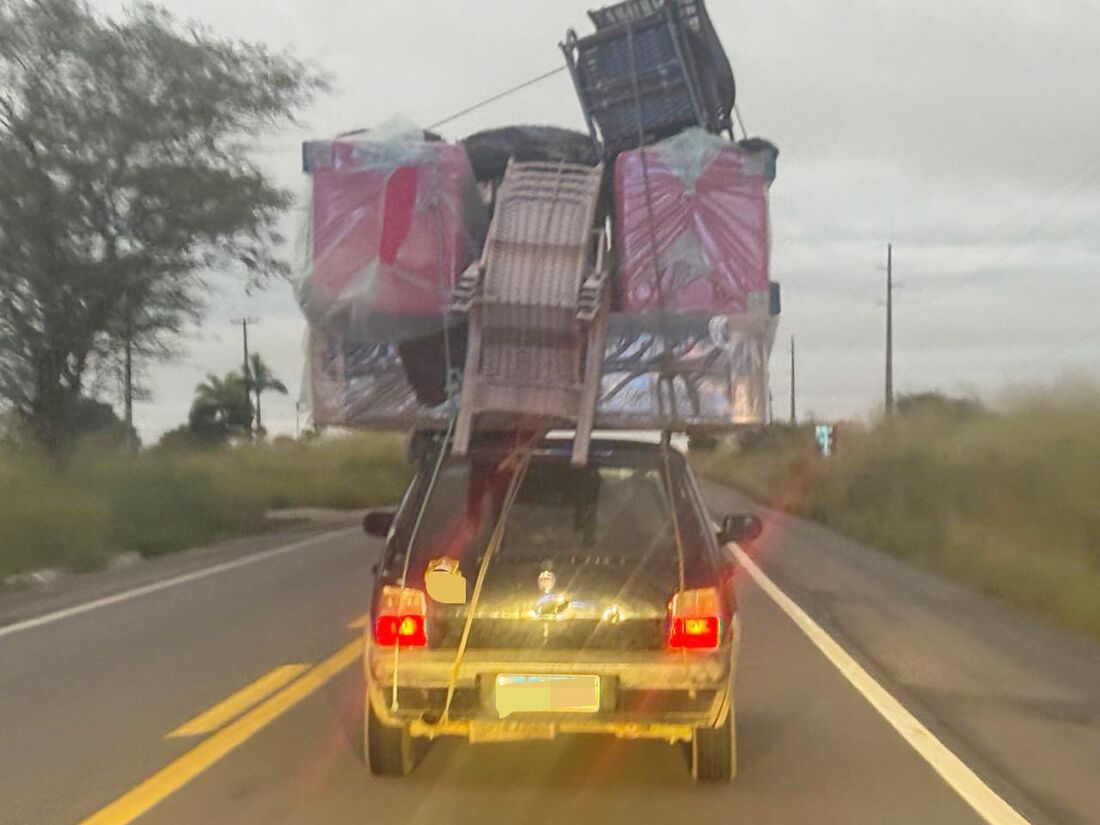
174 581
985 802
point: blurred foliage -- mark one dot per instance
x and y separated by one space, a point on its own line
125 173
220 409
933 403
96 420
261 379
167 499
1004 501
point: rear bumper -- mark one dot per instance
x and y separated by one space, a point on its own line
659 695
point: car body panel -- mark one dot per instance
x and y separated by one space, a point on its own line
564 605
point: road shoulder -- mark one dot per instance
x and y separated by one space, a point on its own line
68 591
1016 698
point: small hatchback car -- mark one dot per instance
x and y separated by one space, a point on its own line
519 596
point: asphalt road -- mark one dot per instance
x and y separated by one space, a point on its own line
87 703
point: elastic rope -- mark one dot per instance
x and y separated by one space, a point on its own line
413 536
499 96
451 380
665 447
654 248
451 388
495 541
740 120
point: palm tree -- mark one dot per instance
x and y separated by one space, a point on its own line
220 407
262 380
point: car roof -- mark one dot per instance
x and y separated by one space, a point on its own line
616 446
555 446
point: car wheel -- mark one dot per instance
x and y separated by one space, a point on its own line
714 751
390 751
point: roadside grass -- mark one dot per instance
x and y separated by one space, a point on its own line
162 501
1006 502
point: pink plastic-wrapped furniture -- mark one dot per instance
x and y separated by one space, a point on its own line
704 219
395 222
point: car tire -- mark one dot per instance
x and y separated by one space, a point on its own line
713 752
389 750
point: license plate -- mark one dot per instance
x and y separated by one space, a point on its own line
521 693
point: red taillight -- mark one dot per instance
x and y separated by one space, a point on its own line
694 620
401 618
408 631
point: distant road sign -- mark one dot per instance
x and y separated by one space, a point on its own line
825 435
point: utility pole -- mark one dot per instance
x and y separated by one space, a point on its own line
890 329
247 373
128 391
794 415
128 377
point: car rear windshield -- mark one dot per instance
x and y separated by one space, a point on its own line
619 511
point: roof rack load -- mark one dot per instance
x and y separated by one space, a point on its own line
651 70
714 67
486 297
537 303
692 225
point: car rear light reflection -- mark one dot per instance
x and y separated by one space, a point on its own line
694 620
402 619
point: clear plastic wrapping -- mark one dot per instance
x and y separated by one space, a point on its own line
362 384
676 372
698 204
395 219
686 373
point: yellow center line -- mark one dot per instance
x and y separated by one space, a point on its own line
175 775
216 716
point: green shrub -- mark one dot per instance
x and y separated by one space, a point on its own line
47 520
163 500
1005 502
159 507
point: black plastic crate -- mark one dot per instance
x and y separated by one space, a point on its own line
712 64
639 76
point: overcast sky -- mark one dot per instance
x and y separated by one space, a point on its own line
968 133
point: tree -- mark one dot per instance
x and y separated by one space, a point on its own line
936 403
262 379
98 420
220 409
124 176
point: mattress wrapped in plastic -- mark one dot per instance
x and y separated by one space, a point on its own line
692 224
690 372
395 219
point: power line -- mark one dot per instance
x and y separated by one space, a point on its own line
498 96
1081 177
1074 176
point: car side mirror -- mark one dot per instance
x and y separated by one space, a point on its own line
378 523
740 528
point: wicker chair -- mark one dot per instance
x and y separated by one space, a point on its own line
537 305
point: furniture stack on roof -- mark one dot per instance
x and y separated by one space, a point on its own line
530 288
537 303
652 69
